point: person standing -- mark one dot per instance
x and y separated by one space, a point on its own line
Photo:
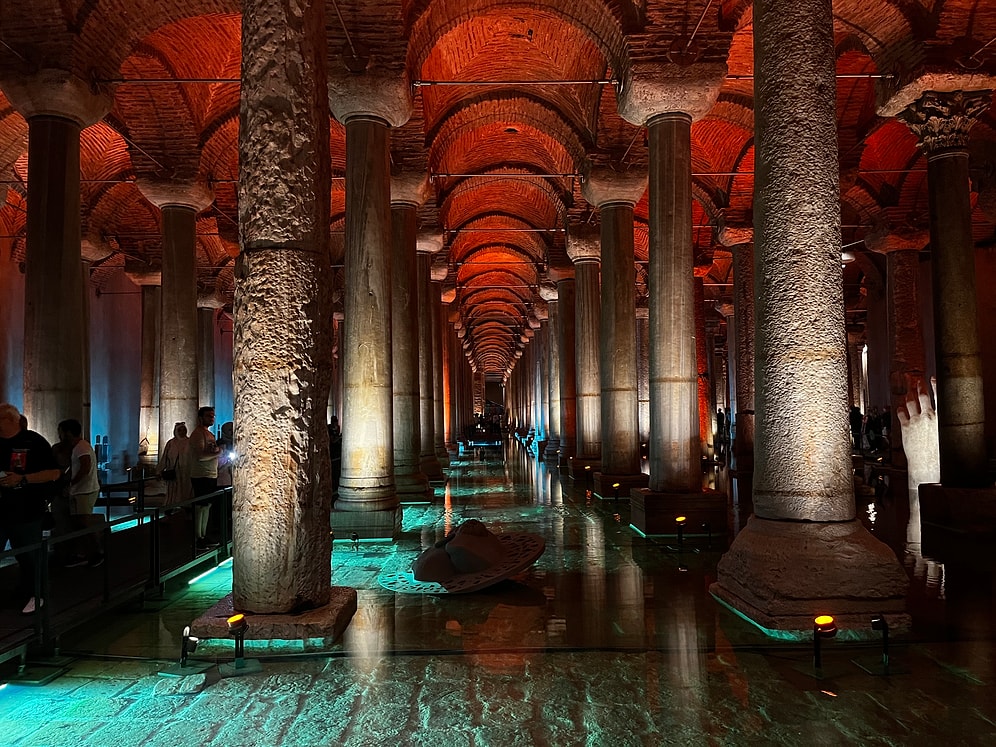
28 473
203 471
83 491
174 467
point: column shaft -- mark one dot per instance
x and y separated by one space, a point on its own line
907 359
149 389
205 357
568 366
589 414
438 412
743 300
426 376
556 416
675 450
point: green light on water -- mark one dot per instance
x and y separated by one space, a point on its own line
222 564
779 635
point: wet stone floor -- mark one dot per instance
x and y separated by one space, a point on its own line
609 639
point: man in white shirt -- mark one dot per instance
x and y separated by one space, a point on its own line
83 491
204 453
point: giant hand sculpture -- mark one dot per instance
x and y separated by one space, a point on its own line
918 422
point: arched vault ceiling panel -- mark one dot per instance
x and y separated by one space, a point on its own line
512 47
527 246
500 144
463 129
533 200
600 22
13 139
471 275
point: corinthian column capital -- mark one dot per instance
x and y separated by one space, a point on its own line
942 120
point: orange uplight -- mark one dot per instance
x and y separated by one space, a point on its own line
237 623
587 467
680 519
615 485
825 626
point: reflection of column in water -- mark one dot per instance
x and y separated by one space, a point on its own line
935 579
447 511
913 526
593 585
678 624
371 632
628 595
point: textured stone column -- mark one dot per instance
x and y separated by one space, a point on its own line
907 361
428 245
439 273
615 194
566 344
84 331
282 490
942 122
705 405
446 298
57 106
549 294
206 311
643 370
583 249
148 429
802 552
178 378
369 106
855 344
408 192
743 303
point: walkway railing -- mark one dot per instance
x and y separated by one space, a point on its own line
142 551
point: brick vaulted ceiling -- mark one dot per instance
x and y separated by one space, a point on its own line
504 150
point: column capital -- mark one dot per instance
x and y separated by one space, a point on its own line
885 238
603 186
141 274
584 244
652 89
447 296
429 243
194 195
95 248
542 312
893 95
548 292
373 94
556 273
730 236
210 300
57 93
941 120
410 188
725 307
439 271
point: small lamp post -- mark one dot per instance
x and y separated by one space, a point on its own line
823 627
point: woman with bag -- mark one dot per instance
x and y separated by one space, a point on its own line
174 467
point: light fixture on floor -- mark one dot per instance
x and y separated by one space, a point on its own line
680 523
880 666
237 627
823 627
184 667
615 487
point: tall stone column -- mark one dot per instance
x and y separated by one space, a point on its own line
427 245
566 344
282 491
706 406
57 106
549 294
743 304
942 122
207 309
802 552
583 249
615 194
368 105
643 370
439 273
907 361
149 390
408 192
447 297
84 332
179 205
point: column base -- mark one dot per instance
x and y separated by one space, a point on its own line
780 574
382 525
326 623
653 512
604 485
552 450
576 468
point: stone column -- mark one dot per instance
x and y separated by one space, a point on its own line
151 350
439 273
84 332
207 309
368 105
907 361
643 371
427 245
179 205
408 193
705 406
549 294
446 299
57 106
566 344
740 241
942 122
615 195
583 249
282 491
802 552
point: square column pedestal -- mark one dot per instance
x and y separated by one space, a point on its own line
383 525
581 469
950 516
325 623
605 485
653 512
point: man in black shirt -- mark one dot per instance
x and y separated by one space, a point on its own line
27 479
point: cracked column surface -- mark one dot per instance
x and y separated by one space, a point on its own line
583 249
615 194
282 488
942 122
57 106
408 193
802 553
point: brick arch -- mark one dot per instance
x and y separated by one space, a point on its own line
532 200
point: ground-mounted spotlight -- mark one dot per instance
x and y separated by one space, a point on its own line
880 666
615 488
679 522
185 667
823 627
237 627
707 528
